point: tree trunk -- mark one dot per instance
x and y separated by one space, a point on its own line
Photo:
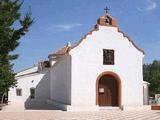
2 98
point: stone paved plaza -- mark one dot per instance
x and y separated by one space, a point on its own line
62 115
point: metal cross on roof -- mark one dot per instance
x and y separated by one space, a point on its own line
106 9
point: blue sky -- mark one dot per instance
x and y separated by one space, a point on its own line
60 21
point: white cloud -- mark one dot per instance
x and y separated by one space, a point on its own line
63 27
151 5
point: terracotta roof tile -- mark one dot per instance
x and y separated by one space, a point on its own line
60 51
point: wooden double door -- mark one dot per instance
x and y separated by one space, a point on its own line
108 91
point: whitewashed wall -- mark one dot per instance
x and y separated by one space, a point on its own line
39 81
87 65
60 75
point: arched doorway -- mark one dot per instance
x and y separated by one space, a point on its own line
108 89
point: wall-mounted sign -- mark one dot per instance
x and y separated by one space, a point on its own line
101 90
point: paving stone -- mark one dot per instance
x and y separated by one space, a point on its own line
61 115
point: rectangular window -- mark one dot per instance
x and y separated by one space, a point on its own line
19 92
108 57
32 93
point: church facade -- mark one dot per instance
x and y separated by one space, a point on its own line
104 69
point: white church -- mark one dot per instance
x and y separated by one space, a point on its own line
103 70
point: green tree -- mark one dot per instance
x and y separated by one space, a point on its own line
10 38
151 73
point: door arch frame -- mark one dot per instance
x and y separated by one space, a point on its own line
119 85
